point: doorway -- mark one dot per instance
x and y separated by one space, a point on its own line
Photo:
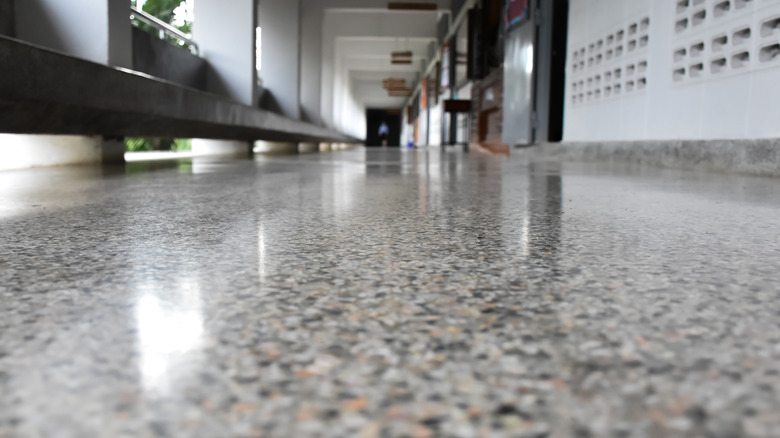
534 71
374 119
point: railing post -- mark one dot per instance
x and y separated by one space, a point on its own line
163 28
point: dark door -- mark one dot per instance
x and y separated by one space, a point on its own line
374 119
534 72
519 68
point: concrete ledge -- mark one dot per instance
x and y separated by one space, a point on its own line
751 156
275 148
26 151
202 146
47 92
308 148
113 151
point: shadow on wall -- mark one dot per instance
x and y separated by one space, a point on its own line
41 28
215 83
164 60
7 18
268 102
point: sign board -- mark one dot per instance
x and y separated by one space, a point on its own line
424 94
517 12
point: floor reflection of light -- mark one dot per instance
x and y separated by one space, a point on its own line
516 200
423 195
525 235
170 329
261 253
347 188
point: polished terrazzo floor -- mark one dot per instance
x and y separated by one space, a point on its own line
373 293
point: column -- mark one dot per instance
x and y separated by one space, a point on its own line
225 33
276 147
280 24
308 148
311 61
95 30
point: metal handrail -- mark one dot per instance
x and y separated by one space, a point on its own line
163 27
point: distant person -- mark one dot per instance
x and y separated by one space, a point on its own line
384 133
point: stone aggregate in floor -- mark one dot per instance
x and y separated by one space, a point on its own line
388 293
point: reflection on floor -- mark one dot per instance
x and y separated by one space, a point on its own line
388 292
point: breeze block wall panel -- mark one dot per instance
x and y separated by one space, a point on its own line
673 69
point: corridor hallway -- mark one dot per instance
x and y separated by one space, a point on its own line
388 292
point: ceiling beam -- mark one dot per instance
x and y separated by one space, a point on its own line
411 6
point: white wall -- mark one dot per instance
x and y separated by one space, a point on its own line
700 101
280 21
225 33
350 115
95 30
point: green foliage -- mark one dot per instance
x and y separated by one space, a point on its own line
139 144
182 145
164 10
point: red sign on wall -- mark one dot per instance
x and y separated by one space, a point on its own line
424 94
517 11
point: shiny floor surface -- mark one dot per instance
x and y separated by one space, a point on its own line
374 293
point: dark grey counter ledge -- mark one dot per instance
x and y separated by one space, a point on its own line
47 92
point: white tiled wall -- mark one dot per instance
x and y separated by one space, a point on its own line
673 69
